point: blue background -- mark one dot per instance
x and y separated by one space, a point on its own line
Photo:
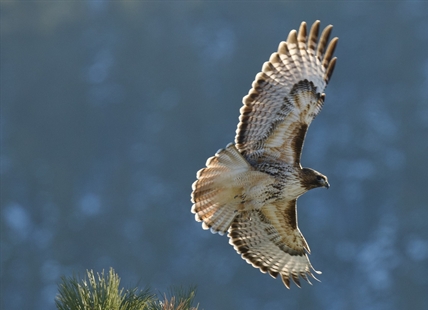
108 109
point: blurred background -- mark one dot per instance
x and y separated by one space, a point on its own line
109 108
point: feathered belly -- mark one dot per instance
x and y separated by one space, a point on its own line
229 184
287 185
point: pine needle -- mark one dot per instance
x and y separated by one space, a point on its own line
101 292
179 299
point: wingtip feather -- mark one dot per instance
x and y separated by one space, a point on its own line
282 48
286 281
292 37
330 69
329 52
313 35
302 35
325 35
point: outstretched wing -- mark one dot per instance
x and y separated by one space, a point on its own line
270 240
286 96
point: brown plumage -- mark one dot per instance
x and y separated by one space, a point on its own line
250 188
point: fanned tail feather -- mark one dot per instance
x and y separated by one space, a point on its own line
217 192
227 185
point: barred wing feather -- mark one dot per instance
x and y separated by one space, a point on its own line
286 96
270 240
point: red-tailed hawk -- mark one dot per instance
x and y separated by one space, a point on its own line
250 188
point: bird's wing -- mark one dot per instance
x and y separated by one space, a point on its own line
286 96
270 240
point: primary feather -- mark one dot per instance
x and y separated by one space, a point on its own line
286 96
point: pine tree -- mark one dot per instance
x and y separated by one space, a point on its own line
102 292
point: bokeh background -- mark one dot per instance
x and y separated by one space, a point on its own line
108 109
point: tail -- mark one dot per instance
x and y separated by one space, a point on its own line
219 189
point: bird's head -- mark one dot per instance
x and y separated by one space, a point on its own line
313 179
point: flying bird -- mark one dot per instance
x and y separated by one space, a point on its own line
250 188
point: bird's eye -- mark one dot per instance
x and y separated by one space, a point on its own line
319 178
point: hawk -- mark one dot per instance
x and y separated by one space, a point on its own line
250 188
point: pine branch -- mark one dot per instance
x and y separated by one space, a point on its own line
102 292
179 299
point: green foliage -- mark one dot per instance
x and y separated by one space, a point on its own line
179 299
102 292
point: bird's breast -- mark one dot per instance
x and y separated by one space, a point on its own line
287 184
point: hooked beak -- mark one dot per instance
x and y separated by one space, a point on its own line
327 185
